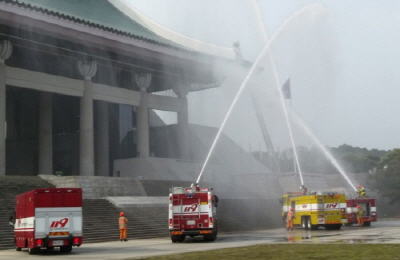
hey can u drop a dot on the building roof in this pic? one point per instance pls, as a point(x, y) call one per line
point(107, 16)
point(128, 9)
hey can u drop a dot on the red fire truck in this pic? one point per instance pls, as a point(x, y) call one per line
point(48, 218)
point(368, 207)
point(192, 212)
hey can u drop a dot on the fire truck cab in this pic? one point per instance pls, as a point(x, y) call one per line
point(192, 212)
point(315, 209)
point(368, 207)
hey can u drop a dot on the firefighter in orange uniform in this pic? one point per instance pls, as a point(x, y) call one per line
point(289, 219)
point(360, 214)
point(123, 226)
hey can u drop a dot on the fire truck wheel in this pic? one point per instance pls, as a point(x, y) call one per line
point(209, 237)
point(314, 227)
point(367, 223)
point(333, 227)
point(18, 248)
point(65, 249)
point(176, 238)
point(338, 226)
point(33, 251)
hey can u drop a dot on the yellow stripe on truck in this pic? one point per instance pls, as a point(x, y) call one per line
point(58, 233)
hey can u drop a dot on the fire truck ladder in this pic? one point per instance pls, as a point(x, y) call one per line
point(274, 162)
point(199, 208)
point(176, 223)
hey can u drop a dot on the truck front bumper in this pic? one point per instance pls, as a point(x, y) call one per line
point(192, 232)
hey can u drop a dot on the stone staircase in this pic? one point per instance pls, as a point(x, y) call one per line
point(100, 217)
point(100, 221)
point(10, 187)
point(161, 188)
point(247, 214)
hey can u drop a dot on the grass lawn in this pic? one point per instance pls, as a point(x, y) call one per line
point(295, 252)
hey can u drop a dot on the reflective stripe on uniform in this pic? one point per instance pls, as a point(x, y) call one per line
point(122, 222)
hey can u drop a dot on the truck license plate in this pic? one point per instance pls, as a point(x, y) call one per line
point(191, 222)
point(58, 242)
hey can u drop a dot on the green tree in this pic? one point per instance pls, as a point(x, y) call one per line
point(386, 180)
point(356, 159)
point(313, 160)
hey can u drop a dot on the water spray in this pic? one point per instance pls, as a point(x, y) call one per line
point(278, 84)
point(325, 151)
point(243, 85)
point(308, 131)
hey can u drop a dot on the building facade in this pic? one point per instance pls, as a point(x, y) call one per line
point(80, 84)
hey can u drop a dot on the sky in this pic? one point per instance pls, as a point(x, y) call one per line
point(342, 58)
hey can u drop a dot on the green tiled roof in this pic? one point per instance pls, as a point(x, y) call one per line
point(95, 13)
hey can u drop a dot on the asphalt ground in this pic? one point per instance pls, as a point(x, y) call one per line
point(386, 231)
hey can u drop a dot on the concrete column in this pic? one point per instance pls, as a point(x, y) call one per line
point(46, 133)
point(183, 125)
point(102, 145)
point(182, 90)
point(5, 53)
point(86, 153)
point(143, 143)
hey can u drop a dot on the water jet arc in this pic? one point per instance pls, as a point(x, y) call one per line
point(243, 85)
point(278, 85)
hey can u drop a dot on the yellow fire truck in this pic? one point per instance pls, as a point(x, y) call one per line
point(315, 209)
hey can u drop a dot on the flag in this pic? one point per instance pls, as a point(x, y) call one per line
point(286, 89)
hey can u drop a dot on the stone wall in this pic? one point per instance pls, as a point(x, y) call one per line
point(96, 187)
point(139, 202)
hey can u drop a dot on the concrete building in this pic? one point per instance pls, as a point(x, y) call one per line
point(79, 80)
point(80, 86)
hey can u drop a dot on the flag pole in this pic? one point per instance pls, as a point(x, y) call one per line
point(291, 104)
